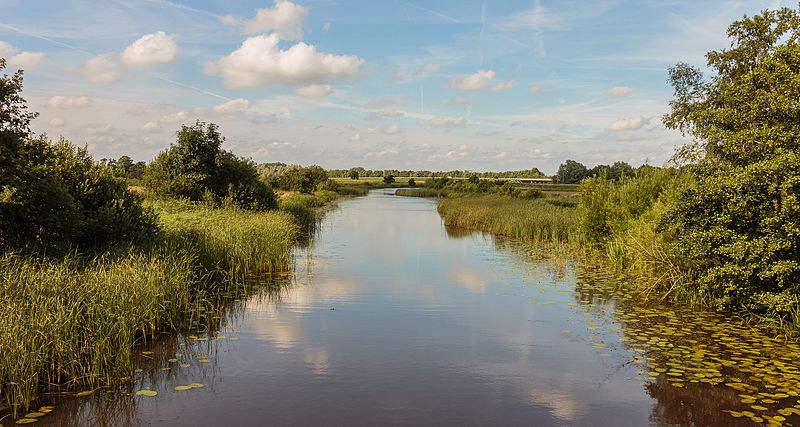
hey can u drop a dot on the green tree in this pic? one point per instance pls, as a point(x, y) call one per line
point(740, 221)
point(571, 172)
point(196, 167)
point(388, 179)
point(353, 174)
point(412, 182)
point(53, 195)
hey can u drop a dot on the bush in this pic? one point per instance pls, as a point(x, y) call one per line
point(196, 168)
point(53, 195)
point(388, 179)
point(412, 182)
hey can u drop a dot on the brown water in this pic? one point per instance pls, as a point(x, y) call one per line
point(391, 319)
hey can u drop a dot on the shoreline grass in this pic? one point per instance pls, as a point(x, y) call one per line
point(535, 220)
point(74, 321)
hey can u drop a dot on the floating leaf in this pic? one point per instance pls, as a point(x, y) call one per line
point(26, 420)
point(34, 415)
point(84, 393)
point(146, 392)
point(196, 385)
point(183, 388)
point(185, 365)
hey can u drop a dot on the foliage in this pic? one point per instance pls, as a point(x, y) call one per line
point(739, 222)
point(305, 180)
point(53, 195)
point(388, 179)
point(353, 174)
point(412, 182)
point(197, 168)
point(571, 172)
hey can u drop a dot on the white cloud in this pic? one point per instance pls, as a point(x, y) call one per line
point(500, 86)
point(446, 122)
point(260, 62)
point(180, 116)
point(20, 60)
point(388, 130)
point(476, 81)
point(479, 81)
point(457, 101)
point(56, 122)
point(430, 69)
point(284, 18)
point(150, 126)
point(326, 27)
point(232, 105)
point(228, 20)
point(619, 91)
point(355, 137)
point(101, 69)
point(315, 91)
point(151, 49)
point(68, 102)
point(387, 112)
point(629, 123)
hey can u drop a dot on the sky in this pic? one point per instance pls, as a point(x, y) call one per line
point(402, 84)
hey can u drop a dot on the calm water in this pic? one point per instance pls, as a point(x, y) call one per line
point(392, 319)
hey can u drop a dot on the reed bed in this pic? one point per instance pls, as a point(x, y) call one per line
point(534, 220)
point(73, 322)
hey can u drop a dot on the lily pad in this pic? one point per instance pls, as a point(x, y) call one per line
point(149, 393)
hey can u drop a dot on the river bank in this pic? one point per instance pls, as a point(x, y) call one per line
point(72, 322)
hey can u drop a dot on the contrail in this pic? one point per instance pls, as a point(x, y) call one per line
point(439, 14)
point(150, 73)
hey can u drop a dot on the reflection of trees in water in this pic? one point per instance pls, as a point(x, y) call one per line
point(689, 358)
point(117, 405)
point(459, 232)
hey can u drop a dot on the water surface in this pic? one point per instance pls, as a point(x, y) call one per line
point(393, 319)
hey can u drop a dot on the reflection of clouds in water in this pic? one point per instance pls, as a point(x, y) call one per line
point(280, 322)
point(474, 281)
point(318, 360)
point(563, 405)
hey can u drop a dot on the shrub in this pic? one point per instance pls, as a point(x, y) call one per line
point(196, 168)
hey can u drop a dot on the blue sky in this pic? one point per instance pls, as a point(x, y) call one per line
point(466, 84)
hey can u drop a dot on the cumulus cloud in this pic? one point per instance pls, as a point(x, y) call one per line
point(619, 91)
point(20, 60)
point(150, 126)
point(497, 87)
point(56, 122)
point(232, 105)
point(355, 137)
point(315, 91)
point(446, 122)
point(284, 18)
point(260, 62)
point(68, 102)
point(180, 116)
point(428, 69)
point(629, 123)
point(388, 130)
point(479, 81)
point(101, 69)
point(151, 49)
point(228, 20)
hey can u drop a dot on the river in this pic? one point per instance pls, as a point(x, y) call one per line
point(392, 319)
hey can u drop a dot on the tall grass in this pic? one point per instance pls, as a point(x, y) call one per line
point(534, 220)
point(74, 321)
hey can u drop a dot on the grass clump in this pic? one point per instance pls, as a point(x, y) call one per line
point(533, 220)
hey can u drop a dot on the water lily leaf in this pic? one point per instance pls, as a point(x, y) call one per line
point(145, 392)
point(84, 393)
point(196, 385)
point(183, 388)
point(185, 365)
point(26, 420)
point(34, 415)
